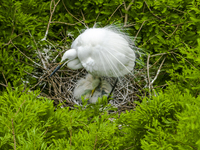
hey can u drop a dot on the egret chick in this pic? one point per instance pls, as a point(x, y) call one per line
point(85, 86)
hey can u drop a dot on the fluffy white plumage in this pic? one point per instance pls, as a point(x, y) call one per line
point(102, 52)
point(85, 86)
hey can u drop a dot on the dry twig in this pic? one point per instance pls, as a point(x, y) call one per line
point(51, 14)
point(13, 132)
point(127, 9)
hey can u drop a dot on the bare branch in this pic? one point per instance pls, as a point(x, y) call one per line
point(127, 9)
point(4, 78)
point(51, 14)
point(148, 76)
point(72, 15)
point(114, 12)
point(39, 53)
point(157, 72)
point(139, 30)
point(26, 56)
point(13, 132)
point(20, 107)
point(65, 23)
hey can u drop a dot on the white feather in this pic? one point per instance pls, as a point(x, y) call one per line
point(69, 55)
point(105, 52)
point(102, 52)
point(86, 85)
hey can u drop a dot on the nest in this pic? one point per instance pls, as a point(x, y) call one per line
point(61, 85)
point(130, 88)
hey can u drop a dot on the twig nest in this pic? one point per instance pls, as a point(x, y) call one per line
point(85, 86)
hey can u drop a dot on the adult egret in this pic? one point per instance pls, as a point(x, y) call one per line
point(102, 52)
point(85, 86)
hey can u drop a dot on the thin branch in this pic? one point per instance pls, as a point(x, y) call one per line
point(41, 58)
point(5, 78)
point(129, 6)
point(13, 132)
point(173, 32)
point(72, 15)
point(154, 14)
point(159, 54)
point(175, 54)
point(148, 73)
point(149, 40)
point(31, 75)
point(20, 107)
point(114, 12)
point(13, 27)
point(129, 147)
point(184, 59)
point(127, 9)
point(26, 56)
point(51, 12)
point(157, 72)
point(3, 85)
point(12, 39)
point(95, 142)
point(97, 17)
point(42, 78)
point(175, 29)
point(83, 16)
point(139, 30)
point(65, 23)
point(164, 31)
point(176, 9)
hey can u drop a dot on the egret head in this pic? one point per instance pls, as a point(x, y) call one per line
point(70, 56)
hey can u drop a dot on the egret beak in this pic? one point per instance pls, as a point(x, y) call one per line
point(58, 67)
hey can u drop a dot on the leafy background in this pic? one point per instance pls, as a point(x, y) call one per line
point(166, 31)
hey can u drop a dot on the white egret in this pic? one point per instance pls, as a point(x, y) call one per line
point(102, 52)
point(85, 87)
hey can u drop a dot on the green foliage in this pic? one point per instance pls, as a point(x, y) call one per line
point(162, 27)
point(186, 74)
point(168, 121)
point(34, 124)
point(26, 116)
point(17, 19)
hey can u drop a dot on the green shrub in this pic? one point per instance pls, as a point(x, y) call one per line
point(18, 21)
point(168, 121)
point(162, 27)
point(186, 74)
point(30, 122)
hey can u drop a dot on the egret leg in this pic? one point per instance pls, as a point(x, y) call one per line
point(93, 91)
point(95, 88)
point(113, 88)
